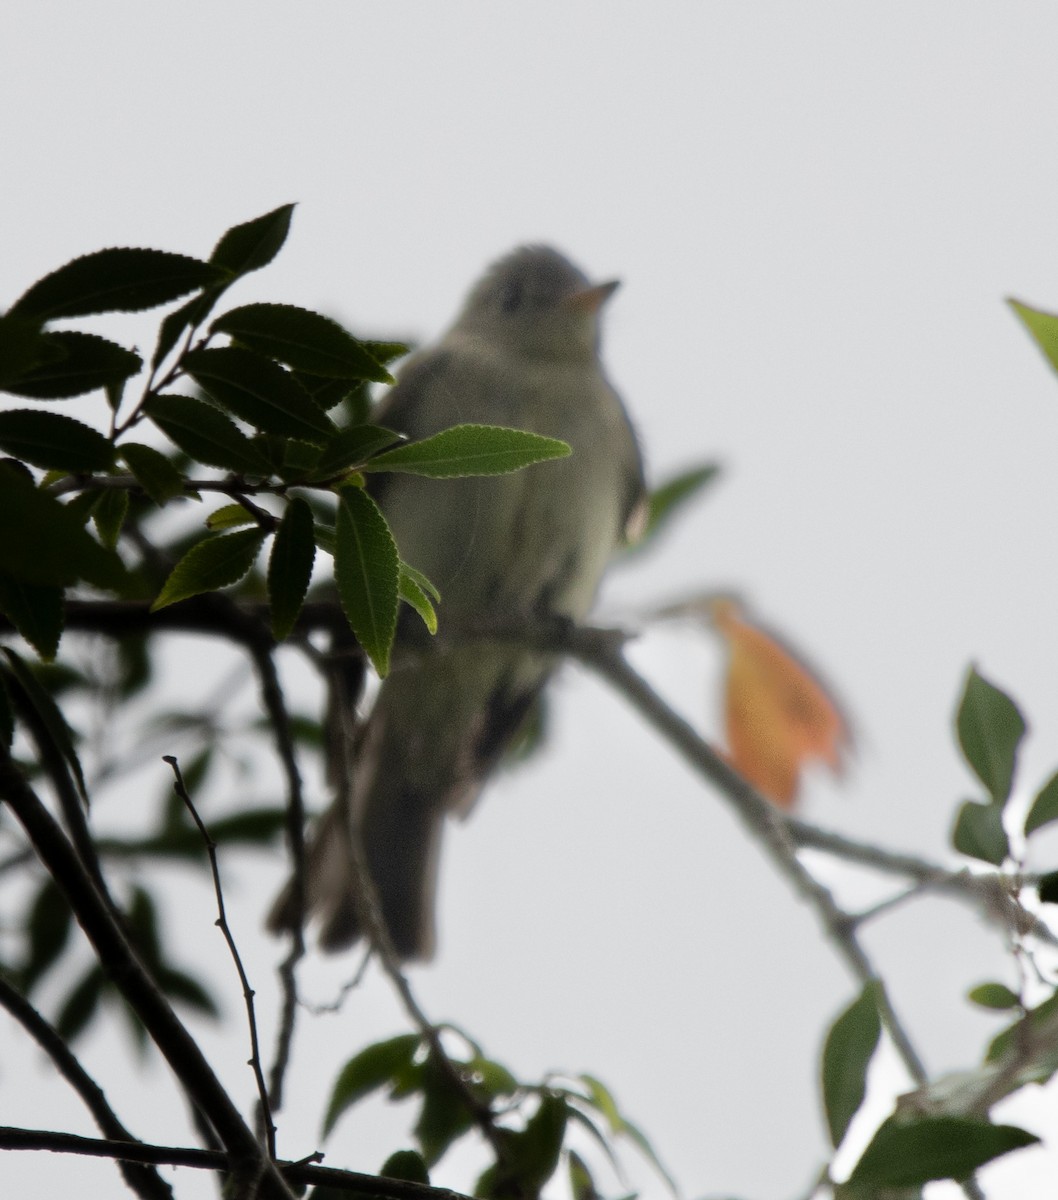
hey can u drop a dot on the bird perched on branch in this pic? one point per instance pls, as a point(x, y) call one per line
point(524, 352)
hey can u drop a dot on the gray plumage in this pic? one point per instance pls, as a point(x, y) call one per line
point(524, 353)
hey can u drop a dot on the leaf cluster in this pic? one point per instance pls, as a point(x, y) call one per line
point(264, 403)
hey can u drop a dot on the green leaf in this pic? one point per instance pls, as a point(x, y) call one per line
point(53, 441)
point(979, 832)
point(109, 515)
point(1043, 327)
point(259, 392)
point(153, 471)
point(206, 435)
point(302, 339)
point(850, 1046)
point(49, 718)
point(993, 995)
point(367, 573)
point(906, 1154)
point(116, 280)
point(44, 542)
point(990, 729)
point(1044, 808)
point(373, 1068)
point(229, 516)
point(210, 565)
point(385, 352)
point(406, 1164)
point(470, 450)
point(529, 1157)
point(78, 363)
point(253, 244)
point(444, 1117)
point(581, 1184)
point(290, 567)
point(1036, 1031)
point(36, 611)
point(350, 448)
point(673, 494)
point(411, 593)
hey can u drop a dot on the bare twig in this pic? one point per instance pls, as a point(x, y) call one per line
point(246, 1157)
point(142, 1179)
point(225, 928)
point(279, 721)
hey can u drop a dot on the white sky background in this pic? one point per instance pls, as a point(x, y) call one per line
point(816, 210)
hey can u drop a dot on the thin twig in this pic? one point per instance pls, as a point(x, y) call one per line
point(762, 820)
point(225, 928)
point(142, 1179)
point(279, 722)
point(123, 965)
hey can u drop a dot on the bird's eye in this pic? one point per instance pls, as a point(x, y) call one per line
point(511, 296)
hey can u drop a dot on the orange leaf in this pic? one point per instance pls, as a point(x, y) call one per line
point(777, 714)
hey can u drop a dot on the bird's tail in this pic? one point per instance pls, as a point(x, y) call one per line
point(400, 835)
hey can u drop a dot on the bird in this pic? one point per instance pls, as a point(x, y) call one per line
point(524, 353)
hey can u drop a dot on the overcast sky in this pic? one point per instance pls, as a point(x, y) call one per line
point(817, 211)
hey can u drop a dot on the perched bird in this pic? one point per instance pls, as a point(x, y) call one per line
point(524, 352)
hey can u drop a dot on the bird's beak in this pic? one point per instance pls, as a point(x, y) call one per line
point(591, 299)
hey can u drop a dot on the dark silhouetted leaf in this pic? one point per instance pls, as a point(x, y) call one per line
point(116, 280)
point(53, 441)
point(301, 339)
point(259, 392)
point(109, 515)
point(290, 567)
point(153, 471)
point(367, 573)
point(80, 1004)
point(36, 611)
point(253, 244)
point(43, 542)
point(80, 363)
point(23, 346)
point(47, 932)
point(207, 435)
point(210, 565)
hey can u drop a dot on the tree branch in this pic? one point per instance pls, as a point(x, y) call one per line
point(297, 1173)
point(142, 1179)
